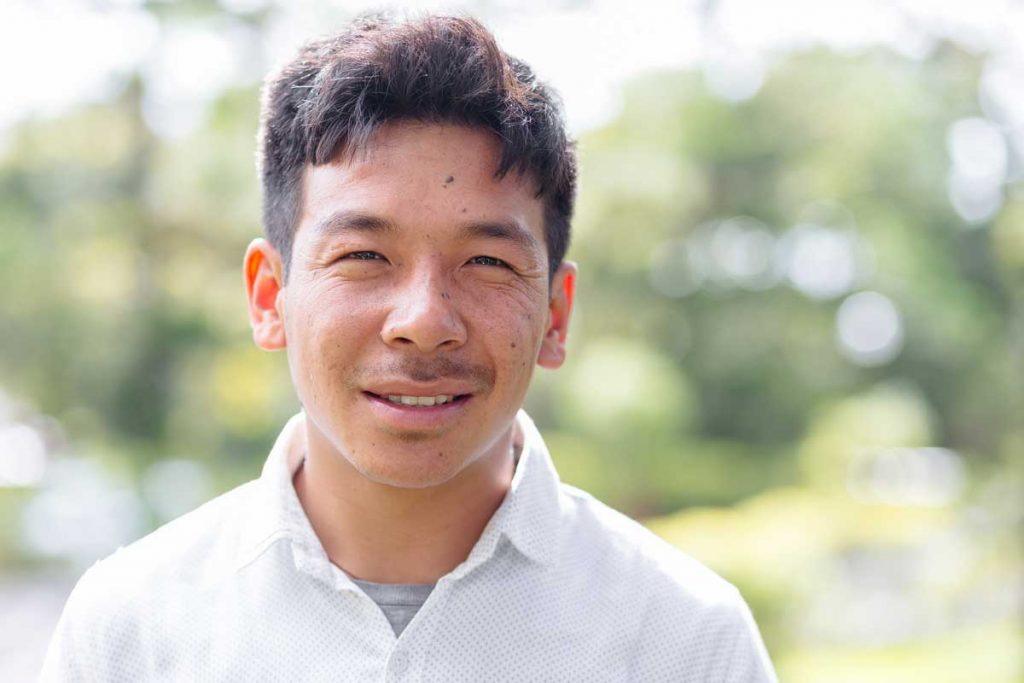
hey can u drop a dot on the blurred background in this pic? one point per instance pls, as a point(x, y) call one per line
point(798, 352)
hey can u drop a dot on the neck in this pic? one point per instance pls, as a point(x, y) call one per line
point(386, 534)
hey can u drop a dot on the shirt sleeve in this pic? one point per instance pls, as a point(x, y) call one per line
point(749, 662)
point(711, 640)
point(95, 639)
point(63, 662)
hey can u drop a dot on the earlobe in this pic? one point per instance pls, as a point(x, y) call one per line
point(263, 283)
point(563, 293)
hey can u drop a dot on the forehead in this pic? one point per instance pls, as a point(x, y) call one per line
point(422, 175)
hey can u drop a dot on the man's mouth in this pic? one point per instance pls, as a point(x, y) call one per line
point(420, 401)
point(411, 412)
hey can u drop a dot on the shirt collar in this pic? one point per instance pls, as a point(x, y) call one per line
point(531, 512)
point(528, 516)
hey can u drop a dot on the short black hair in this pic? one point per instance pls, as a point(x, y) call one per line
point(338, 90)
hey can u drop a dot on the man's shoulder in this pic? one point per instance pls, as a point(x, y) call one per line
point(197, 548)
point(628, 551)
point(688, 622)
point(125, 600)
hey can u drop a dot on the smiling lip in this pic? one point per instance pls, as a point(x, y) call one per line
point(406, 417)
point(406, 388)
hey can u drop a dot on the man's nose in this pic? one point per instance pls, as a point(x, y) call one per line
point(424, 314)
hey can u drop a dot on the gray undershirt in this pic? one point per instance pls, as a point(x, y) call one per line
point(398, 601)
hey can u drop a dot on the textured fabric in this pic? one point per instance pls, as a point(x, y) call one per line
point(559, 587)
point(398, 601)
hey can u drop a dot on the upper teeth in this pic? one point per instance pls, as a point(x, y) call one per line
point(420, 400)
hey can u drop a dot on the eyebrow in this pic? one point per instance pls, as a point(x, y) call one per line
point(353, 221)
point(510, 230)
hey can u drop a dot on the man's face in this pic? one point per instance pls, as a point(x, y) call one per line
point(416, 277)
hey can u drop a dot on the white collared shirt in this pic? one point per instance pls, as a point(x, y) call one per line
point(559, 587)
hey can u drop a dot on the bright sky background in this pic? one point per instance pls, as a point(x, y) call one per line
point(54, 53)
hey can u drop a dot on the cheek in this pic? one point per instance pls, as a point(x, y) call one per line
point(519, 301)
point(513, 325)
point(329, 330)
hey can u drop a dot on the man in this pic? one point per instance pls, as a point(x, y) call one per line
point(408, 524)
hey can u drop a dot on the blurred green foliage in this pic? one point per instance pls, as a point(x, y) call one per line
point(720, 406)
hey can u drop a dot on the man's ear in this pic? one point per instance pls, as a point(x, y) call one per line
point(263, 282)
point(563, 291)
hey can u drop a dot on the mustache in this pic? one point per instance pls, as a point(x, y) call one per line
point(428, 370)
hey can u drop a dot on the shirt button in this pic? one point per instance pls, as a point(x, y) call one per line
point(400, 662)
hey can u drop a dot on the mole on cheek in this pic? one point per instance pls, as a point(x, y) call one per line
point(449, 180)
point(513, 345)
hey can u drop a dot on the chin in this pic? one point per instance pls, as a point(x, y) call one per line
point(408, 469)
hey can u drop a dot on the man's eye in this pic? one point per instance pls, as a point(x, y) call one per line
point(488, 261)
point(363, 256)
